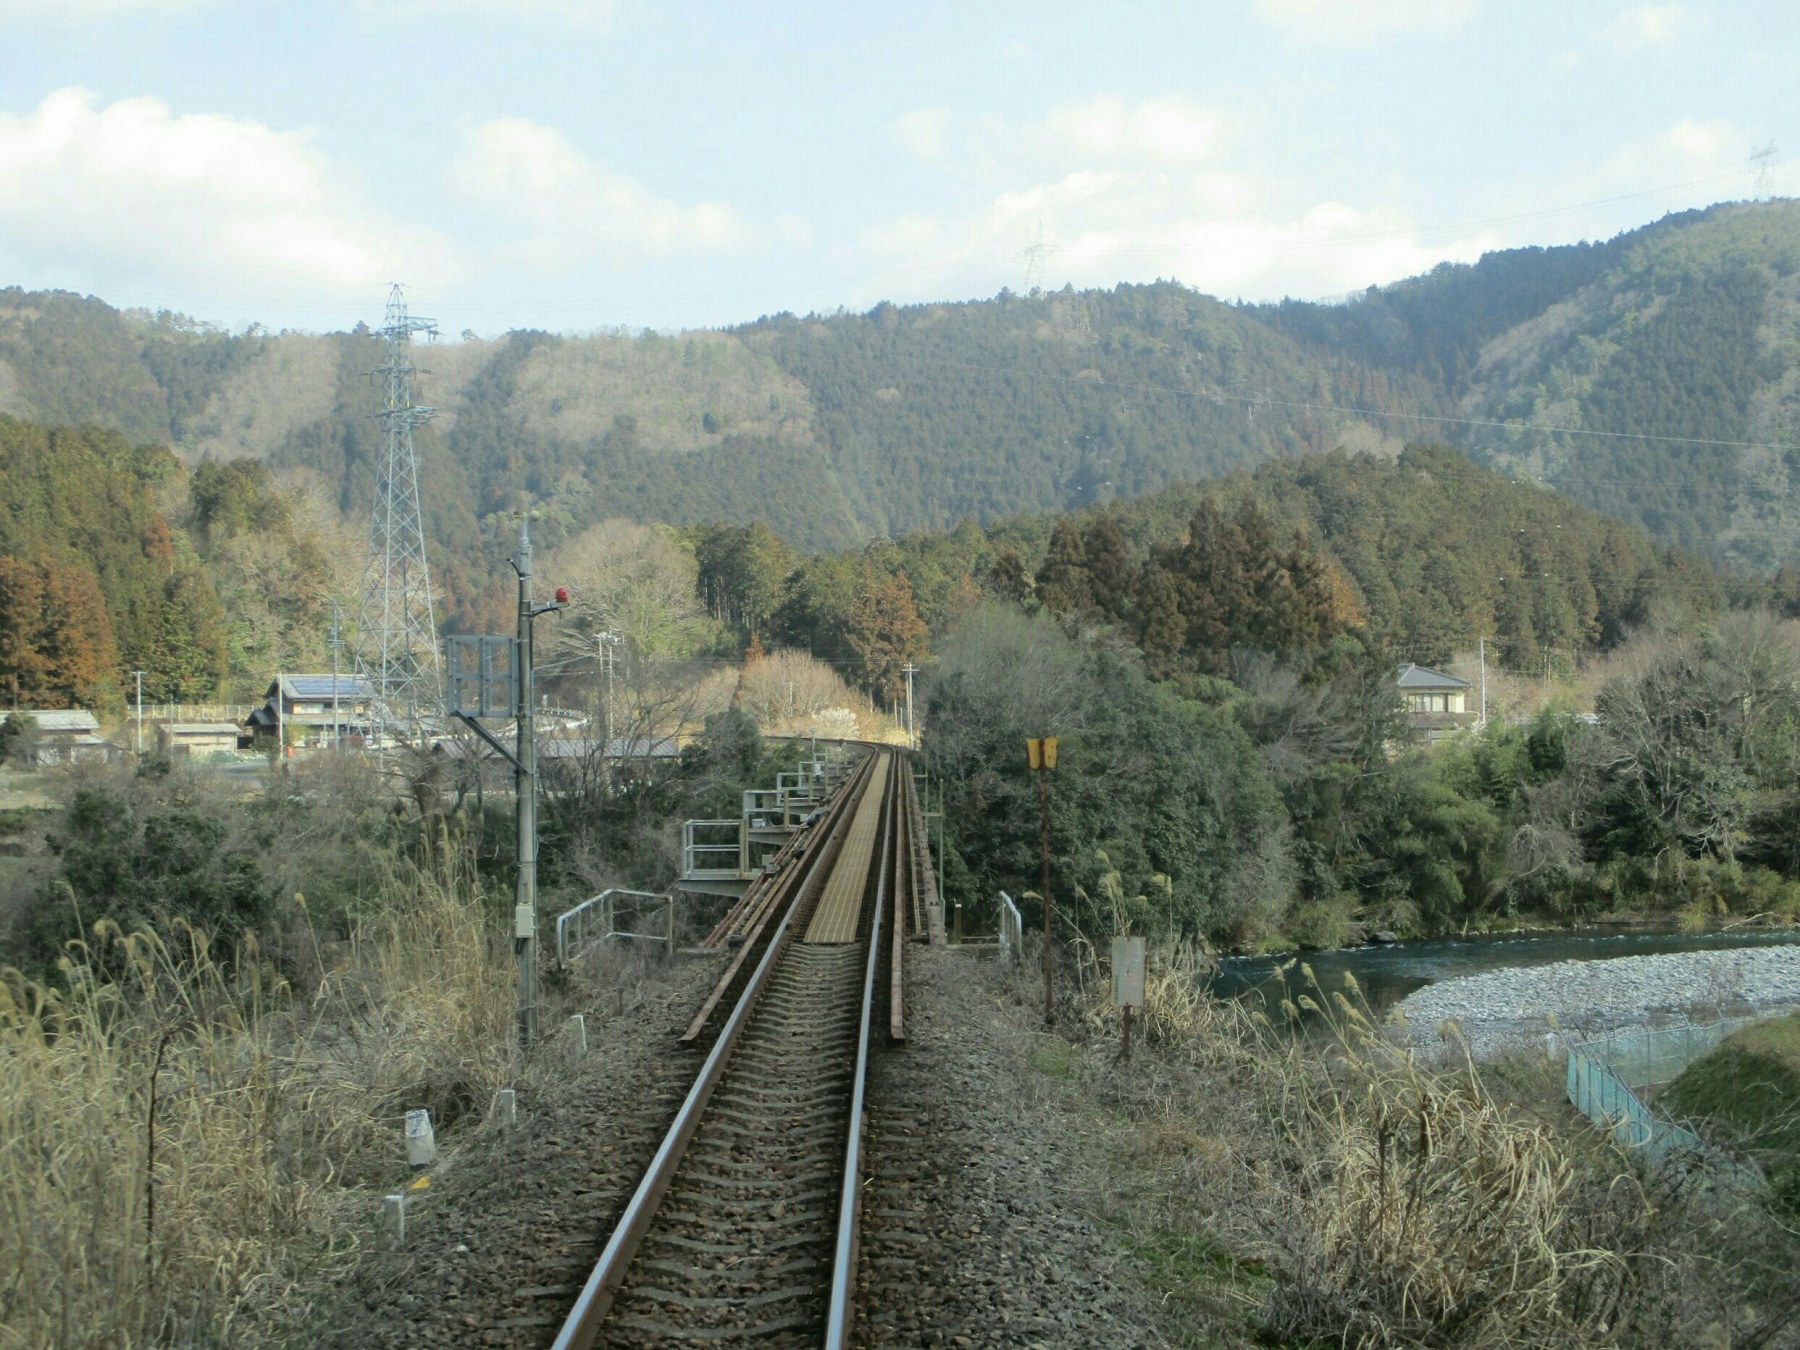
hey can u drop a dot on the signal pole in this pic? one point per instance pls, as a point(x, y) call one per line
point(525, 819)
point(525, 794)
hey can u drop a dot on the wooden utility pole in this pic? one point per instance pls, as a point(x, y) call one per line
point(1041, 754)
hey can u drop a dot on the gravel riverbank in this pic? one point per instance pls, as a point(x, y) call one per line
point(1499, 1008)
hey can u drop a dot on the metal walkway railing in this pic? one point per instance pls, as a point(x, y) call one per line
point(595, 920)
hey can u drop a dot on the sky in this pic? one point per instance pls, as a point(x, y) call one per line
point(576, 165)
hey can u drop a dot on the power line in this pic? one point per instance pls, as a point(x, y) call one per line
point(1265, 400)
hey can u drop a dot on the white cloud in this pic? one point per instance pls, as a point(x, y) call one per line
point(133, 194)
point(1362, 23)
point(1648, 26)
point(567, 211)
point(77, 10)
point(1100, 131)
point(924, 133)
point(1169, 129)
point(595, 14)
point(1688, 163)
point(1219, 230)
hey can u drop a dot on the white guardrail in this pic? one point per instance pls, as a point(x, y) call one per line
point(1012, 931)
point(594, 921)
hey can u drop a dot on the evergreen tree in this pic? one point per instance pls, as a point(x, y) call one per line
point(1009, 579)
point(1109, 566)
point(1063, 584)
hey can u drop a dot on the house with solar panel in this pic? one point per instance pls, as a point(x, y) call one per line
point(1436, 703)
point(314, 712)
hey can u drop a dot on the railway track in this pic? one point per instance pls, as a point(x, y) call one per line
point(744, 1227)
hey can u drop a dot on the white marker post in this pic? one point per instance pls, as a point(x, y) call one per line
point(421, 1143)
point(1128, 982)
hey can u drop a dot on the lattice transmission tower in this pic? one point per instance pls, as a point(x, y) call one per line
point(397, 648)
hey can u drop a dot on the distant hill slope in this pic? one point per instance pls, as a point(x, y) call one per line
point(1678, 343)
point(1693, 333)
point(1680, 339)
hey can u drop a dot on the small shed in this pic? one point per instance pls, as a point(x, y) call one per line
point(198, 738)
point(67, 736)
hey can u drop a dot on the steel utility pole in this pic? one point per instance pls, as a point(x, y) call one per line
point(396, 629)
point(912, 739)
point(609, 659)
point(336, 644)
point(1481, 646)
point(525, 781)
point(1041, 753)
point(138, 675)
point(525, 820)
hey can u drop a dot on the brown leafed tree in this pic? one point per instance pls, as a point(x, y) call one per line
point(1228, 585)
point(885, 630)
point(56, 641)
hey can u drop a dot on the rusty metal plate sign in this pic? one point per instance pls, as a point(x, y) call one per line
point(1128, 972)
point(483, 676)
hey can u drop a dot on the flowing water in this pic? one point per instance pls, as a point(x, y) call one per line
point(1389, 973)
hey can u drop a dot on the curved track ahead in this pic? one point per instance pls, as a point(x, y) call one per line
point(743, 1229)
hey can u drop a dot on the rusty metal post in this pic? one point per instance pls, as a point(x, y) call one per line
point(1125, 1049)
point(1044, 889)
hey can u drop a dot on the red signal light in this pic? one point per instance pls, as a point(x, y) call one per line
point(562, 595)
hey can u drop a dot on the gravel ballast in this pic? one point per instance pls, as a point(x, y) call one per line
point(974, 1224)
point(1498, 1008)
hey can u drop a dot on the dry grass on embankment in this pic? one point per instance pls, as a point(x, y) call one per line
point(180, 1136)
point(1332, 1189)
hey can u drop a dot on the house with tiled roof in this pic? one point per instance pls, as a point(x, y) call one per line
point(1436, 703)
point(65, 736)
point(314, 710)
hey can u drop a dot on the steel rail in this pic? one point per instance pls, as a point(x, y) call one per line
point(904, 879)
point(843, 1267)
point(581, 1328)
point(815, 863)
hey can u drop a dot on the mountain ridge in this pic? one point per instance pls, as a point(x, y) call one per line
point(1680, 340)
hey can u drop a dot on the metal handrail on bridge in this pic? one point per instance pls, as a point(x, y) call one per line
point(1012, 931)
point(721, 860)
point(604, 909)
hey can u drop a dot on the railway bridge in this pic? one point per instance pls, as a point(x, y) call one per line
point(744, 1227)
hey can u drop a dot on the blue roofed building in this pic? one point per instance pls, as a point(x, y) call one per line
point(314, 710)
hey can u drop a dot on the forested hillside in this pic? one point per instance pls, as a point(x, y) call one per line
point(93, 583)
point(1677, 342)
point(1423, 554)
point(115, 557)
